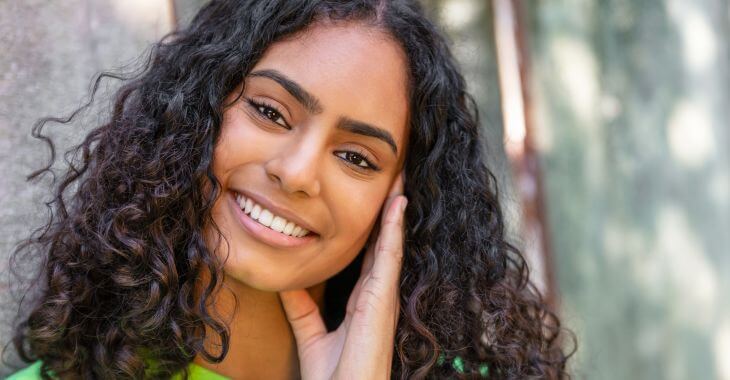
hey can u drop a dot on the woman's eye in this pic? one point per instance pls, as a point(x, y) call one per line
point(356, 159)
point(269, 112)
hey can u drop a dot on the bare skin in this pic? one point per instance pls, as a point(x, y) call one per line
point(362, 346)
point(298, 157)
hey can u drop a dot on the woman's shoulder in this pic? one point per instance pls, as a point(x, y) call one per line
point(196, 372)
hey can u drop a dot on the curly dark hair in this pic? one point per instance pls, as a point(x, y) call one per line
point(123, 249)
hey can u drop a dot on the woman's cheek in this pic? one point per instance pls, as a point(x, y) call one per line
point(338, 254)
point(358, 223)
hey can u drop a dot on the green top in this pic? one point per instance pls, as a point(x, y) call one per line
point(201, 373)
point(196, 373)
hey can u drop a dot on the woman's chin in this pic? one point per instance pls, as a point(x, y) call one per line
point(261, 279)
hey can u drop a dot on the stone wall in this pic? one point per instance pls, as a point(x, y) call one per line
point(50, 51)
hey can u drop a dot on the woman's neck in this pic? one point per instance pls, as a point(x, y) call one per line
point(262, 345)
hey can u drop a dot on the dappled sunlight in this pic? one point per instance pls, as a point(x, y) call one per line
point(630, 107)
point(672, 266)
point(690, 134)
point(455, 13)
point(578, 72)
point(627, 247)
point(722, 349)
point(692, 281)
point(699, 41)
point(611, 107)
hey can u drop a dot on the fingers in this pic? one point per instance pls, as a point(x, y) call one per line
point(389, 244)
point(395, 189)
point(372, 323)
point(369, 255)
point(304, 317)
point(389, 247)
point(388, 253)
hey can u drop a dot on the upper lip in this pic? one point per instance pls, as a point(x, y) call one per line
point(278, 210)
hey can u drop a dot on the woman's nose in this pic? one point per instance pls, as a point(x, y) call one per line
point(295, 169)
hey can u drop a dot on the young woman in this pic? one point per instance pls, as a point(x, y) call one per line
point(241, 215)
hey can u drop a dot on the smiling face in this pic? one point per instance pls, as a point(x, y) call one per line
point(313, 144)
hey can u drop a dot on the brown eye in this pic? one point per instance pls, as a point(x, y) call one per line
point(269, 112)
point(357, 159)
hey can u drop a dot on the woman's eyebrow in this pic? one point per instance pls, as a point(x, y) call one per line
point(309, 101)
point(313, 106)
point(365, 129)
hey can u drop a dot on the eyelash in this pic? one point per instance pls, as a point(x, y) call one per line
point(361, 155)
point(358, 153)
point(256, 105)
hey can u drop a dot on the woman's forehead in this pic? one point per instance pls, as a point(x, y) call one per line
point(348, 69)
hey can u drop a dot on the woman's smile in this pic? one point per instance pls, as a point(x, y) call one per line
point(239, 206)
point(267, 225)
point(304, 162)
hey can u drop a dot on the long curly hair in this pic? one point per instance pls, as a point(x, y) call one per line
point(124, 251)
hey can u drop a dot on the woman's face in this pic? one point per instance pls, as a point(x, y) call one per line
point(315, 142)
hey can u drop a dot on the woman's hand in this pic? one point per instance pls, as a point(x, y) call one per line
point(362, 346)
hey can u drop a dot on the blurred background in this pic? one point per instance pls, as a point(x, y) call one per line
point(607, 123)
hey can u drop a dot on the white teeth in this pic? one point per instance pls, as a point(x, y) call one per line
point(255, 212)
point(289, 228)
point(278, 224)
point(268, 219)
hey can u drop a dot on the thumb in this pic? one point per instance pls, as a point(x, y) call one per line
point(304, 317)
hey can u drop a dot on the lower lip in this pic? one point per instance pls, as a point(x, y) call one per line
point(266, 234)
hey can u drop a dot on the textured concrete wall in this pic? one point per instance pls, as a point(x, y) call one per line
point(50, 50)
point(632, 109)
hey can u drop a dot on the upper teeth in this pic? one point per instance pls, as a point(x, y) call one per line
point(268, 219)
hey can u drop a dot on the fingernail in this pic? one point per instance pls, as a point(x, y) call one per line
point(403, 204)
